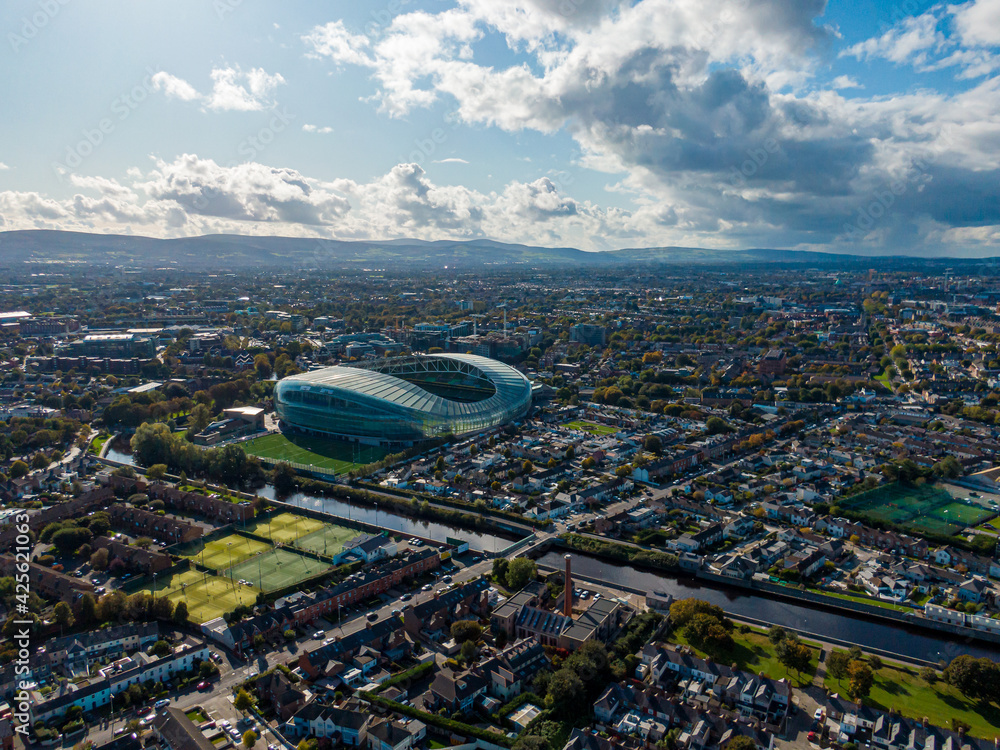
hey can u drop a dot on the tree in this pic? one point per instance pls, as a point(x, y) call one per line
point(262, 364)
point(706, 632)
point(157, 471)
point(837, 663)
point(249, 739)
point(794, 655)
point(181, 612)
point(99, 559)
point(683, 610)
point(741, 742)
point(468, 652)
point(861, 678)
point(500, 570)
point(653, 444)
point(283, 478)
point(63, 615)
point(18, 469)
point(776, 634)
point(160, 648)
point(243, 701)
point(88, 609)
point(717, 426)
point(466, 630)
point(589, 463)
point(875, 663)
point(565, 692)
point(520, 571)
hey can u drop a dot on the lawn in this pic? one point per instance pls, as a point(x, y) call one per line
point(864, 600)
point(332, 455)
point(592, 427)
point(276, 569)
point(220, 553)
point(909, 694)
point(285, 527)
point(754, 653)
point(97, 443)
point(207, 596)
point(922, 509)
point(196, 715)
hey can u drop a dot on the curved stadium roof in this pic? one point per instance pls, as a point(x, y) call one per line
point(377, 401)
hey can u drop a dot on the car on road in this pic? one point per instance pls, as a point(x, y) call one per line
point(426, 587)
point(162, 703)
point(406, 597)
point(204, 686)
point(217, 658)
point(371, 616)
point(446, 579)
point(818, 714)
point(319, 635)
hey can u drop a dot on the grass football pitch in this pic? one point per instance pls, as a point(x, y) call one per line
point(220, 553)
point(592, 427)
point(207, 596)
point(285, 527)
point(276, 569)
point(322, 453)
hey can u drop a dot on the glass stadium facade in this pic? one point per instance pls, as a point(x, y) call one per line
point(402, 400)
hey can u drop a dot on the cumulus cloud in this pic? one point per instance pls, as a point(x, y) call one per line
point(924, 41)
point(232, 89)
point(3, 167)
point(325, 130)
point(706, 110)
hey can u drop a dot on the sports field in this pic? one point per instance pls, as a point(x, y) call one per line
point(336, 455)
point(285, 527)
point(207, 596)
point(592, 427)
point(327, 541)
point(276, 569)
point(222, 552)
point(921, 509)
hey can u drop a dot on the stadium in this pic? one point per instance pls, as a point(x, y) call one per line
point(403, 400)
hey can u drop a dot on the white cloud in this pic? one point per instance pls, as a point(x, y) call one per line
point(325, 130)
point(3, 167)
point(845, 82)
point(174, 87)
point(232, 89)
point(335, 42)
point(451, 160)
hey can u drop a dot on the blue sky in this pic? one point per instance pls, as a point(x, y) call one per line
point(862, 126)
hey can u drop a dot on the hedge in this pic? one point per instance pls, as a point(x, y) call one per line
point(413, 673)
point(439, 721)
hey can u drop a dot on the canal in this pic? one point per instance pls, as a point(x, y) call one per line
point(866, 633)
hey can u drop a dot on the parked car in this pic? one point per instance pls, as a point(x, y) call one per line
point(204, 685)
point(426, 587)
point(371, 616)
point(319, 635)
point(162, 703)
point(406, 597)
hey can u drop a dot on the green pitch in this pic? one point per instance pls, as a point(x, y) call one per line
point(220, 553)
point(276, 569)
point(921, 509)
point(592, 427)
point(327, 541)
point(207, 596)
point(285, 527)
point(322, 453)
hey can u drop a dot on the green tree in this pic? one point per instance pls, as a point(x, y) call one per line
point(861, 679)
point(63, 615)
point(520, 571)
point(181, 612)
point(565, 692)
point(500, 565)
point(466, 630)
point(837, 663)
point(243, 701)
point(741, 742)
point(99, 559)
point(249, 739)
point(156, 472)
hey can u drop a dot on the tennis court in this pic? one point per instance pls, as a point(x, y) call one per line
point(921, 509)
point(276, 569)
point(285, 527)
point(327, 541)
point(207, 596)
point(220, 553)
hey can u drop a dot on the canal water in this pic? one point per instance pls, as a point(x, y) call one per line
point(866, 633)
point(853, 629)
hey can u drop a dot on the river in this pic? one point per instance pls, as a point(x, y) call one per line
point(866, 633)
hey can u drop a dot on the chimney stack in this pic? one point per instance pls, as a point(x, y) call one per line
point(568, 590)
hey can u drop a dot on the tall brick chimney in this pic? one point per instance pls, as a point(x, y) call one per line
point(568, 590)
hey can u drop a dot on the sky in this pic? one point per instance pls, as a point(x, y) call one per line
point(856, 126)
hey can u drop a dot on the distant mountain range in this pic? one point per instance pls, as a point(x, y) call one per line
point(238, 252)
